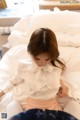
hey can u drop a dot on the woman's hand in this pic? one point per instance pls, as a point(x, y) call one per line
point(63, 91)
point(1, 93)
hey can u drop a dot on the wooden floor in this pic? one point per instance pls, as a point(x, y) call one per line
point(3, 40)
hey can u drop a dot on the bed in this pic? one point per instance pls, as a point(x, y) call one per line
point(67, 30)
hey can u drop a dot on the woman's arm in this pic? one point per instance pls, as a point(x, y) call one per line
point(8, 86)
point(63, 90)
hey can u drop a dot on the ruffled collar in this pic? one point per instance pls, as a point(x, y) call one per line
point(34, 67)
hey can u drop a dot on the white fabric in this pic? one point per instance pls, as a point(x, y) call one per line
point(34, 81)
point(67, 29)
point(63, 23)
point(71, 75)
point(73, 29)
point(17, 38)
point(6, 30)
point(4, 101)
point(11, 60)
point(23, 24)
point(66, 40)
point(10, 107)
point(13, 108)
point(70, 105)
point(73, 108)
point(72, 72)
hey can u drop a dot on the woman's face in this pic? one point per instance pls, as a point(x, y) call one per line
point(42, 59)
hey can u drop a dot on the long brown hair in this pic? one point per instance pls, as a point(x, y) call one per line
point(44, 40)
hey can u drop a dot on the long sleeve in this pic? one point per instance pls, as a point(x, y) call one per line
point(17, 79)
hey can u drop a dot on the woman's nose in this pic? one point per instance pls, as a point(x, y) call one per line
point(42, 62)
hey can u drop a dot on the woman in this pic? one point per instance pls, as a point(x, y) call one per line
point(38, 79)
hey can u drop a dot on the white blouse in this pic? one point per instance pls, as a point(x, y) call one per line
point(34, 81)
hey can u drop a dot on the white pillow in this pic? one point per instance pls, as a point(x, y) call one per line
point(73, 29)
point(71, 56)
point(74, 63)
point(23, 24)
point(66, 53)
point(63, 39)
point(10, 61)
point(58, 21)
point(73, 81)
point(68, 40)
point(71, 74)
point(16, 38)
